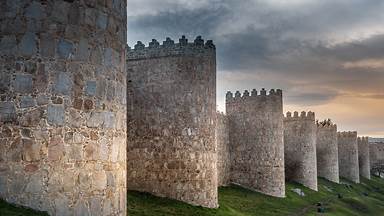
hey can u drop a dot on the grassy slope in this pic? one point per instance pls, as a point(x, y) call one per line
point(236, 201)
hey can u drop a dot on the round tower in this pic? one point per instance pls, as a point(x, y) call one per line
point(364, 163)
point(300, 149)
point(256, 140)
point(172, 119)
point(348, 156)
point(62, 108)
point(327, 151)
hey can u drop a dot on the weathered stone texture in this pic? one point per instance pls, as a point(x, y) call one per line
point(348, 156)
point(327, 151)
point(51, 62)
point(300, 149)
point(364, 163)
point(223, 153)
point(256, 141)
point(376, 156)
point(172, 120)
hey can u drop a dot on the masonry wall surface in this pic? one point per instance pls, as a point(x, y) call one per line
point(223, 154)
point(62, 108)
point(256, 141)
point(300, 149)
point(172, 120)
point(364, 163)
point(348, 156)
point(327, 151)
point(376, 155)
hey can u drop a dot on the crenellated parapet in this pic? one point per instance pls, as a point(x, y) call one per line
point(363, 139)
point(170, 48)
point(303, 116)
point(253, 95)
point(347, 134)
point(326, 124)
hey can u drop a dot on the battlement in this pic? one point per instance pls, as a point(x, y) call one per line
point(170, 48)
point(347, 134)
point(327, 123)
point(303, 116)
point(253, 95)
point(363, 139)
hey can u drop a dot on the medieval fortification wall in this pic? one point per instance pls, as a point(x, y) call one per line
point(62, 107)
point(348, 156)
point(300, 149)
point(256, 140)
point(376, 156)
point(364, 163)
point(172, 120)
point(327, 151)
point(223, 153)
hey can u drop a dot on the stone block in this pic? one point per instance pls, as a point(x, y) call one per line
point(109, 120)
point(5, 81)
point(28, 44)
point(101, 88)
point(27, 101)
point(35, 184)
point(61, 204)
point(95, 120)
point(7, 111)
point(81, 209)
point(47, 46)
point(111, 91)
point(56, 115)
point(23, 83)
point(63, 83)
point(99, 180)
point(82, 53)
point(102, 20)
point(8, 44)
point(31, 118)
point(42, 100)
point(65, 49)
point(34, 11)
point(56, 148)
point(31, 150)
point(90, 88)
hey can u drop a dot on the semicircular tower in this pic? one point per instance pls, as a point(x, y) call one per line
point(62, 108)
point(172, 120)
point(300, 149)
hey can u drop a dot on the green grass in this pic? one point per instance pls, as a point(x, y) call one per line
point(12, 210)
point(366, 198)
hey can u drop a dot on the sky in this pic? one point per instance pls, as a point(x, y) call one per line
point(326, 55)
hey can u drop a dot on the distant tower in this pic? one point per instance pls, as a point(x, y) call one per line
point(172, 120)
point(348, 156)
point(364, 164)
point(327, 151)
point(256, 141)
point(300, 149)
point(62, 108)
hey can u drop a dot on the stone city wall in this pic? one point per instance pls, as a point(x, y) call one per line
point(364, 163)
point(300, 148)
point(256, 141)
point(172, 120)
point(327, 151)
point(376, 156)
point(223, 154)
point(348, 156)
point(62, 107)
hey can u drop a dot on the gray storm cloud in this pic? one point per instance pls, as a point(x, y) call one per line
point(315, 51)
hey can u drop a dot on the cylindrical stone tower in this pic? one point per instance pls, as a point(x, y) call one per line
point(348, 156)
point(327, 151)
point(63, 106)
point(172, 120)
point(300, 149)
point(364, 163)
point(256, 141)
